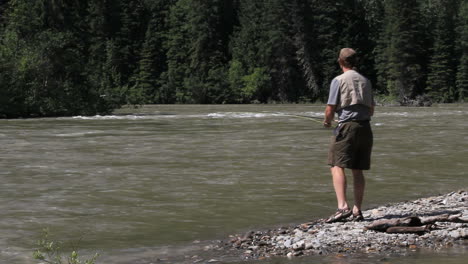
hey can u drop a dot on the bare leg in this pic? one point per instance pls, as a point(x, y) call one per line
point(359, 185)
point(339, 183)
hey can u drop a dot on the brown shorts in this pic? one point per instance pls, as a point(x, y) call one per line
point(351, 146)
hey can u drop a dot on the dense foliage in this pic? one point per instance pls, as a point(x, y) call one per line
point(69, 57)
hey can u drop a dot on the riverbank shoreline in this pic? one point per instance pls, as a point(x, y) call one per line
point(431, 223)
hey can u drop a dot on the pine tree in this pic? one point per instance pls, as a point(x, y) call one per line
point(462, 54)
point(19, 23)
point(196, 51)
point(117, 34)
point(81, 57)
point(206, 50)
point(3, 7)
point(325, 31)
point(302, 24)
point(250, 53)
point(47, 58)
point(134, 18)
point(399, 60)
point(442, 66)
point(336, 25)
point(47, 52)
point(153, 61)
point(287, 83)
point(178, 45)
point(355, 32)
point(271, 44)
point(374, 16)
point(103, 23)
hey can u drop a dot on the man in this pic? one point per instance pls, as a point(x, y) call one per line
point(351, 98)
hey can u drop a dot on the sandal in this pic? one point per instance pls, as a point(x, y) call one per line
point(357, 217)
point(339, 215)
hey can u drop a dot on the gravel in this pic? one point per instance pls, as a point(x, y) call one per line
point(319, 238)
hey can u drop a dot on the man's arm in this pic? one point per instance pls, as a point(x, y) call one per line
point(333, 101)
point(329, 115)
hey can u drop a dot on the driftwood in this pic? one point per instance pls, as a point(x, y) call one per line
point(413, 224)
point(443, 218)
point(384, 224)
point(409, 229)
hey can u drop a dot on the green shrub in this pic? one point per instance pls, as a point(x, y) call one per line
point(50, 251)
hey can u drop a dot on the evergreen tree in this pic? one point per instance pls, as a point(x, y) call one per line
point(117, 33)
point(287, 82)
point(326, 42)
point(178, 45)
point(124, 51)
point(84, 57)
point(374, 16)
point(3, 7)
point(207, 58)
point(248, 53)
point(153, 61)
point(46, 50)
point(196, 54)
point(462, 54)
point(335, 25)
point(442, 66)
point(302, 24)
point(270, 43)
point(131, 36)
point(46, 58)
point(400, 60)
point(103, 23)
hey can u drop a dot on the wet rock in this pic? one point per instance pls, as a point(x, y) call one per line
point(455, 234)
point(308, 245)
point(299, 245)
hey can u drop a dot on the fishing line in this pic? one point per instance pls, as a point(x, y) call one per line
point(313, 118)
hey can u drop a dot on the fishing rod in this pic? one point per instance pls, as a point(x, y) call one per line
point(313, 118)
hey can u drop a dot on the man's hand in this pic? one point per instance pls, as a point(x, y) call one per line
point(326, 124)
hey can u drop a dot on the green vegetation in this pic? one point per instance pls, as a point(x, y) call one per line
point(50, 252)
point(86, 57)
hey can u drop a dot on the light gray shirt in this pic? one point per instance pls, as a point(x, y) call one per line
point(358, 112)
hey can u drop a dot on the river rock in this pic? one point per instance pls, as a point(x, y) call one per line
point(299, 245)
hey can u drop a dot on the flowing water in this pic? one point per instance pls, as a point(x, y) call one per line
point(159, 181)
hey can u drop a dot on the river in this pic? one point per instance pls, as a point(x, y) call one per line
point(160, 181)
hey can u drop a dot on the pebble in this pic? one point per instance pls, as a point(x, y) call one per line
point(317, 238)
point(299, 245)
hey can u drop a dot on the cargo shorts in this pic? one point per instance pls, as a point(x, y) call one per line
point(351, 146)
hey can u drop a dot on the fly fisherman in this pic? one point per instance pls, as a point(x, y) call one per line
point(351, 145)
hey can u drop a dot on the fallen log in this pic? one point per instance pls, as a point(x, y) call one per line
point(384, 224)
point(435, 218)
point(443, 218)
point(412, 224)
point(409, 229)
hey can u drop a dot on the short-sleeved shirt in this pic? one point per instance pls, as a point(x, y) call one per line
point(357, 112)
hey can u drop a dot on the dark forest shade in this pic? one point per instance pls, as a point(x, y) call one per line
point(86, 57)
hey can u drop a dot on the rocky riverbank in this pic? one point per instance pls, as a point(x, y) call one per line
point(430, 223)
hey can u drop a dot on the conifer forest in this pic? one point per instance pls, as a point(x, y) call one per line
point(86, 57)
